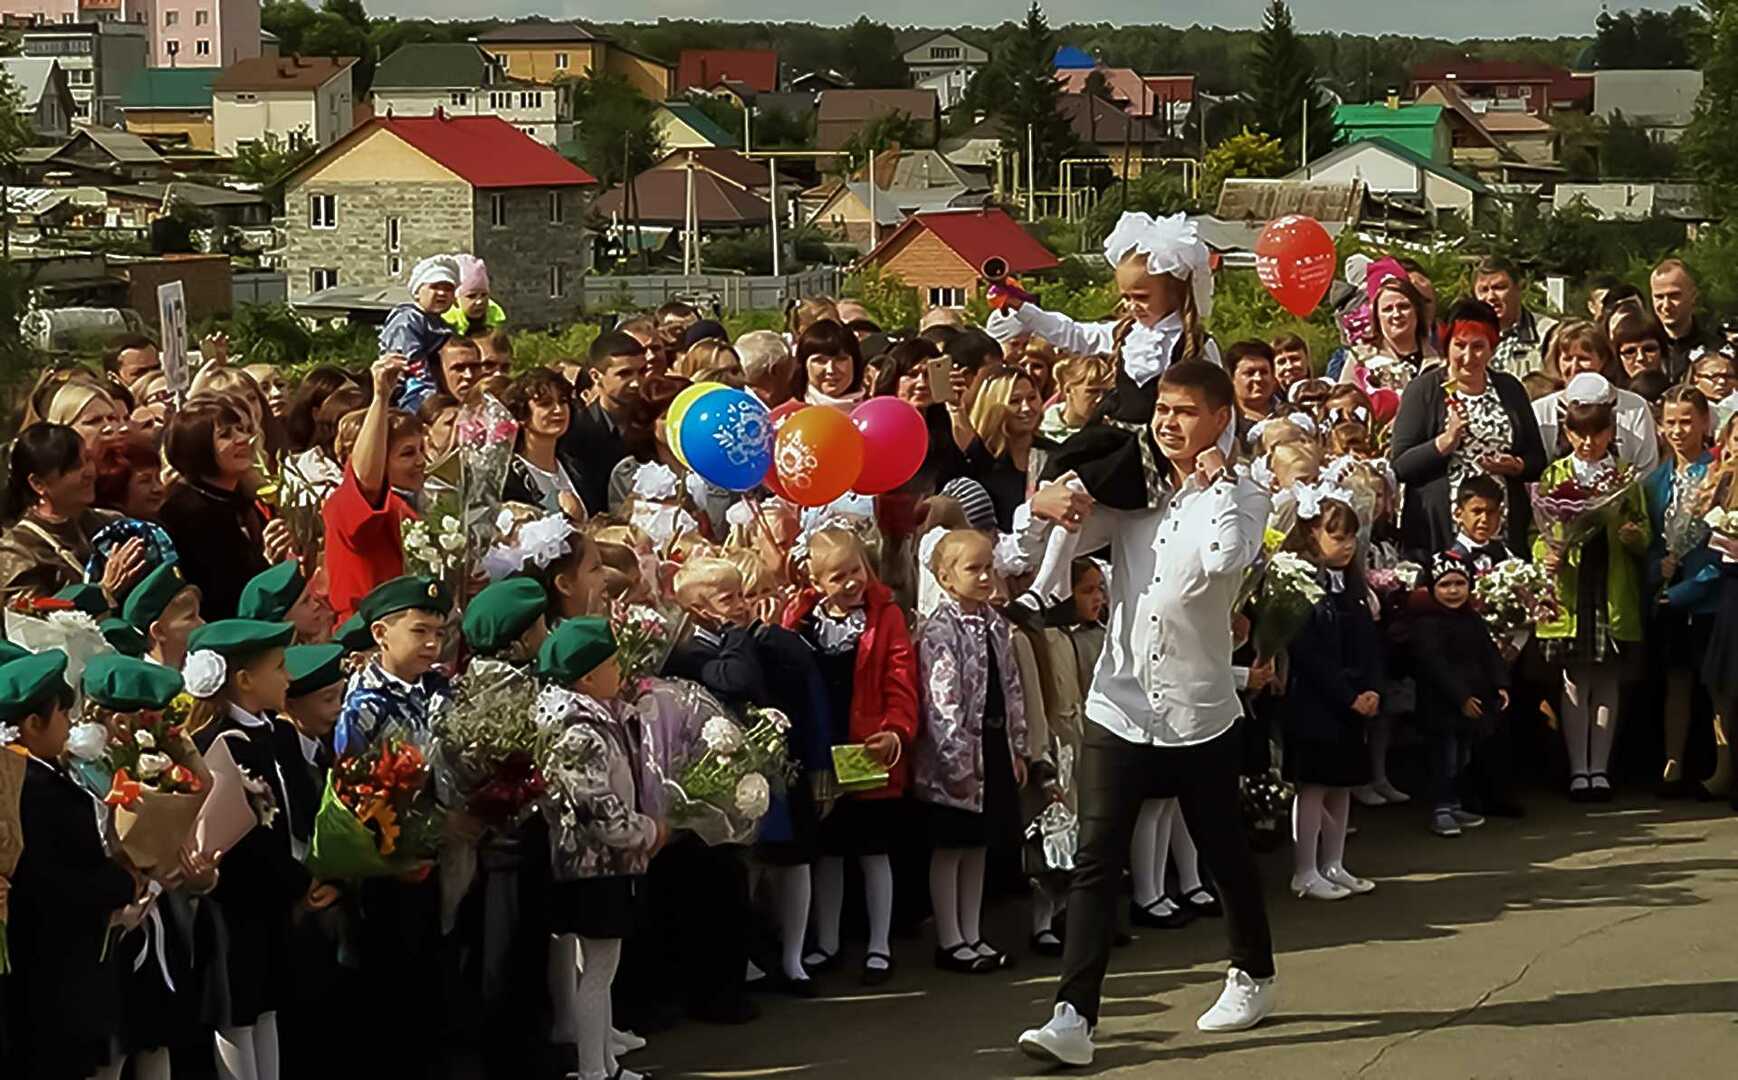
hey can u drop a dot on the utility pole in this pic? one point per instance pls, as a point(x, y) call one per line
point(1031, 177)
point(874, 224)
point(1304, 134)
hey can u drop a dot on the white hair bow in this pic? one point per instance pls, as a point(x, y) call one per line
point(204, 672)
point(655, 480)
point(1172, 246)
point(1310, 498)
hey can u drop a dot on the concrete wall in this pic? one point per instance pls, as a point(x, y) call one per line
point(205, 279)
point(522, 251)
point(551, 124)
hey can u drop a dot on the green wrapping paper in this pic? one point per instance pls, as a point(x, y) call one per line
point(857, 770)
point(343, 848)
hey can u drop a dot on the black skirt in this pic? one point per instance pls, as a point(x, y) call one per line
point(804, 841)
point(997, 825)
point(599, 907)
point(860, 826)
point(1342, 762)
point(1720, 665)
point(154, 1015)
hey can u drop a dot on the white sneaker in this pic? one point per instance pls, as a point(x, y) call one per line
point(1244, 1003)
point(1345, 879)
point(1317, 887)
point(625, 1042)
point(1065, 1040)
point(1368, 796)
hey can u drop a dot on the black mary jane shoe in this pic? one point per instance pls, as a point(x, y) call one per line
point(876, 976)
point(1178, 917)
point(963, 959)
point(1047, 943)
point(996, 958)
point(1202, 903)
point(1597, 793)
point(828, 961)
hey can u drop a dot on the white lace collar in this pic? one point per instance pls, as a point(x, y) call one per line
point(837, 634)
point(1146, 352)
point(816, 396)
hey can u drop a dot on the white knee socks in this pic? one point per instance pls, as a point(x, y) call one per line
point(972, 892)
point(828, 876)
point(878, 898)
point(1336, 818)
point(1306, 828)
point(564, 988)
point(1183, 851)
point(793, 901)
point(1148, 851)
point(238, 1053)
point(601, 955)
point(150, 1064)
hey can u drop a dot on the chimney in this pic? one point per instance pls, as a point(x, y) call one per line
point(440, 112)
point(1393, 97)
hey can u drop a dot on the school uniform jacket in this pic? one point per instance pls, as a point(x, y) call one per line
point(1453, 659)
point(1336, 658)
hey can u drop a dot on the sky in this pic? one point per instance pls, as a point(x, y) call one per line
point(1438, 18)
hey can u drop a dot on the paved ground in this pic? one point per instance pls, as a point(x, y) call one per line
point(1581, 942)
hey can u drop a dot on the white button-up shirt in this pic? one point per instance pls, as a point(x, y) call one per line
point(1165, 676)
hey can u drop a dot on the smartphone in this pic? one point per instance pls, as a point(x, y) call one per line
point(941, 380)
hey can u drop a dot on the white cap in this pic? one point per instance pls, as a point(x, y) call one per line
point(1589, 388)
point(434, 270)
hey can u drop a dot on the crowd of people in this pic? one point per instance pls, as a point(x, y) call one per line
point(1054, 645)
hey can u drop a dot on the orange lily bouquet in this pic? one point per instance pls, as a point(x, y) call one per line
point(378, 815)
point(157, 783)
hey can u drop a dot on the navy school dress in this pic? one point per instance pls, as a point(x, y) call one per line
point(1336, 657)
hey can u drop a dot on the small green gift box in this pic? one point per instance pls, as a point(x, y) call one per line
point(857, 770)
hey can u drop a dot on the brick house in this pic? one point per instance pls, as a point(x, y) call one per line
point(941, 253)
point(397, 189)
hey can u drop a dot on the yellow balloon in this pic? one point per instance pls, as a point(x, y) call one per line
point(679, 409)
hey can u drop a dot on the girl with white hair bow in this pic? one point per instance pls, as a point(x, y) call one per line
point(1166, 284)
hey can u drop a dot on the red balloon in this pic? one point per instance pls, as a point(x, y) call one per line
point(894, 442)
point(1385, 404)
point(818, 454)
point(1295, 259)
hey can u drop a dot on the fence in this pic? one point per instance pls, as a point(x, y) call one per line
point(734, 293)
point(261, 287)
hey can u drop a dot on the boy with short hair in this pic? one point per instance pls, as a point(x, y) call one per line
point(1478, 510)
point(285, 594)
point(400, 684)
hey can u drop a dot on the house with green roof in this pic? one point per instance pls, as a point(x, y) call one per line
point(170, 105)
point(683, 126)
point(463, 79)
point(1423, 129)
point(1392, 171)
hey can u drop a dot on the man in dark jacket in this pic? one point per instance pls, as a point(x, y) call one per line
point(1674, 298)
point(617, 364)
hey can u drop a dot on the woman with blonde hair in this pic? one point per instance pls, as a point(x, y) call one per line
point(1005, 414)
point(712, 355)
point(89, 409)
point(1081, 383)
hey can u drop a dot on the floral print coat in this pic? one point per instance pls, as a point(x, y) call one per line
point(953, 680)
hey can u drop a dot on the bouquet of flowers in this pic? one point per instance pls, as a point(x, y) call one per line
point(1401, 577)
point(238, 802)
point(488, 742)
point(461, 523)
point(643, 643)
point(149, 771)
point(1570, 511)
point(434, 546)
point(715, 776)
point(12, 765)
point(1719, 520)
point(299, 499)
point(377, 815)
point(1287, 591)
point(1515, 595)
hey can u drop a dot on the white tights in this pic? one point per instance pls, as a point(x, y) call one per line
point(250, 1051)
point(1160, 835)
point(829, 895)
point(792, 887)
point(956, 889)
point(1319, 819)
point(1589, 716)
point(597, 1060)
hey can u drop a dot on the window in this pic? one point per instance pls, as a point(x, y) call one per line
point(395, 266)
point(555, 212)
point(323, 211)
point(944, 52)
point(394, 233)
point(531, 99)
point(200, 18)
point(171, 18)
point(560, 61)
point(945, 296)
point(460, 97)
point(498, 210)
point(555, 282)
point(321, 278)
point(202, 47)
point(500, 99)
point(80, 76)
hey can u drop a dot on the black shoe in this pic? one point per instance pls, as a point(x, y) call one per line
point(734, 1010)
point(875, 976)
point(1202, 903)
point(962, 958)
point(1681, 788)
point(1600, 793)
point(1177, 918)
point(828, 963)
point(996, 958)
point(1047, 943)
point(783, 984)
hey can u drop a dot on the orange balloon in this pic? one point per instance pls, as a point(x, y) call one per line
point(818, 455)
point(1294, 258)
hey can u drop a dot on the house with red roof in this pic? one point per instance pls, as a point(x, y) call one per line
point(1535, 88)
point(941, 253)
point(704, 69)
point(359, 214)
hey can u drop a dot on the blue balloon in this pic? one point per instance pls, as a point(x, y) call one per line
point(727, 438)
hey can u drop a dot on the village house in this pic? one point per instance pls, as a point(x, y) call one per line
point(941, 253)
point(172, 104)
point(463, 79)
point(299, 99)
point(44, 99)
point(547, 52)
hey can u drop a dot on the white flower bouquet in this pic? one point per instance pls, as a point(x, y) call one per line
point(714, 775)
point(1515, 595)
point(1287, 592)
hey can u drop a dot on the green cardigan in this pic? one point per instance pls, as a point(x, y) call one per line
point(456, 318)
point(1623, 565)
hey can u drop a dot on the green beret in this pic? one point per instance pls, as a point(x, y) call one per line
point(27, 685)
point(239, 639)
point(271, 594)
point(152, 596)
point(126, 638)
point(501, 612)
point(85, 597)
point(10, 652)
point(124, 684)
point(355, 634)
point(408, 593)
point(313, 667)
point(574, 649)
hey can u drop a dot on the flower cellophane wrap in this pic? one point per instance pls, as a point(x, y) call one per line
point(714, 773)
point(158, 783)
point(1053, 835)
point(1571, 510)
point(1515, 595)
point(299, 500)
point(12, 766)
point(228, 814)
point(1287, 591)
point(378, 814)
point(487, 746)
point(72, 632)
point(855, 769)
point(643, 643)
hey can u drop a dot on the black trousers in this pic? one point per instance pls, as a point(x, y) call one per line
point(1116, 776)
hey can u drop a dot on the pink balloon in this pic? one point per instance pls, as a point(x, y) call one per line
point(894, 443)
point(1385, 403)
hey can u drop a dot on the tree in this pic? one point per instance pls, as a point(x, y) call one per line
point(1284, 79)
point(289, 20)
point(869, 55)
point(615, 137)
point(15, 130)
point(890, 130)
point(1628, 152)
point(1649, 39)
point(268, 159)
point(1248, 154)
point(1027, 96)
point(1707, 146)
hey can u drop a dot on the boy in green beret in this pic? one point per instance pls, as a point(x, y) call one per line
point(600, 845)
point(124, 638)
point(165, 608)
point(65, 893)
point(284, 594)
point(505, 621)
point(400, 685)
